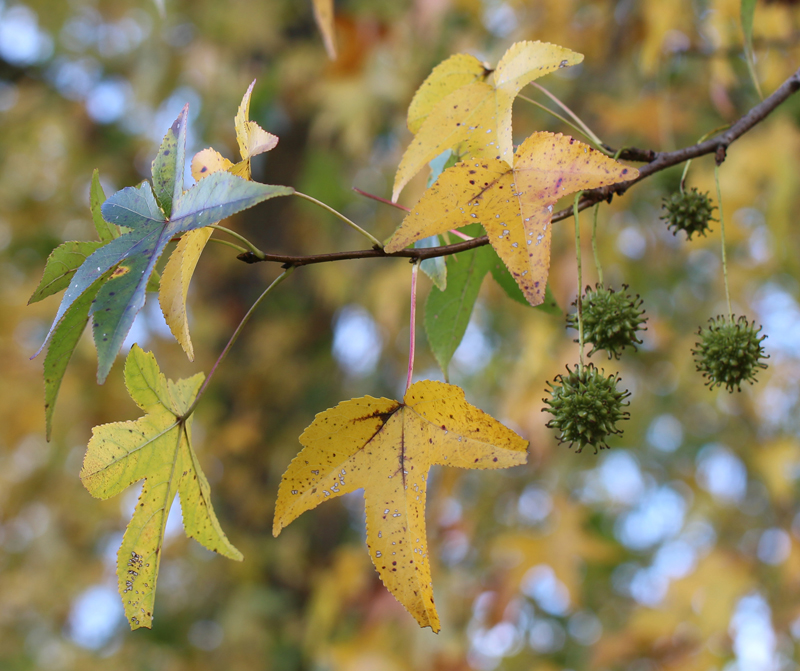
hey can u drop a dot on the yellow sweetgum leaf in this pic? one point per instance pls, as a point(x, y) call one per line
point(477, 116)
point(450, 75)
point(252, 140)
point(387, 448)
point(513, 203)
point(208, 161)
point(175, 284)
point(156, 448)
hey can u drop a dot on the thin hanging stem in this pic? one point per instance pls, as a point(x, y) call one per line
point(594, 246)
point(578, 120)
point(233, 338)
point(239, 249)
point(566, 121)
point(461, 235)
point(377, 243)
point(385, 201)
point(412, 323)
point(722, 236)
point(239, 237)
point(702, 139)
point(580, 274)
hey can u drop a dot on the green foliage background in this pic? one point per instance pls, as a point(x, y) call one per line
point(656, 74)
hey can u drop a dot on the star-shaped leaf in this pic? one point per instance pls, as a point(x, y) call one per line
point(153, 216)
point(387, 448)
point(156, 448)
point(477, 115)
point(514, 204)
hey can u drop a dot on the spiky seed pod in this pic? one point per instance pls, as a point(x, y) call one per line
point(586, 406)
point(688, 211)
point(611, 319)
point(729, 352)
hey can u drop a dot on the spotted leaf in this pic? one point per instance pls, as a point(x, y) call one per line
point(477, 116)
point(513, 203)
point(387, 448)
point(156, 448)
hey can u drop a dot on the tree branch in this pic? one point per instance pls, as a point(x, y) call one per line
point(656, 162)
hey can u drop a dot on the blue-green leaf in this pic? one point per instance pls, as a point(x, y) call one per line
point(134, 254)
point(434, 268)
point(65, 339)
point(169, 163)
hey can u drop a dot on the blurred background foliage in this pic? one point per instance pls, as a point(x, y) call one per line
point(678, 549)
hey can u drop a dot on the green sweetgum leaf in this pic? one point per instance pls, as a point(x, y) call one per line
point(156, 448)
point(105, 231)
point(134, 254)
point(65, 340)
point(61, 265)
point(448, 311)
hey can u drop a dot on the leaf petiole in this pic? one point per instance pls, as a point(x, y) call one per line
point(412, 323)
point(255, 250)
point(232, 340)
point(703, 138)
point(385, 201)
point(586, 130)
point(594, 246)
point(566, 121)
point(722, 237)
point(376, 243)
point(580, 274)
point(219, 241)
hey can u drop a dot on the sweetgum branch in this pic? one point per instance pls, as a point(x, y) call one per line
point(655, 162)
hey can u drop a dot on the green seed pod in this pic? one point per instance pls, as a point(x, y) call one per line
point(586, 406)
point(611, 320)
point(729, 352)
point(688, 211)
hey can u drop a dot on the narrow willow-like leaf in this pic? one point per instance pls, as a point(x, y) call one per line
point(747, 12)
point(323, 15)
